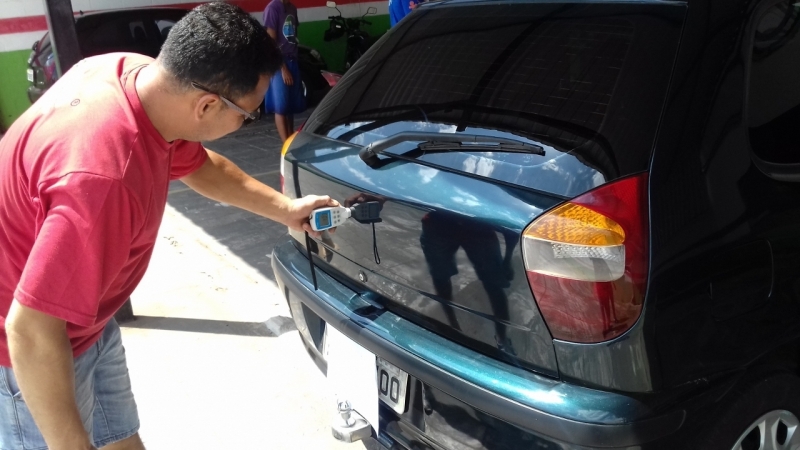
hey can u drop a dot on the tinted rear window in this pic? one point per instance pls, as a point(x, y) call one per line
point(586, 82)
point(139, 31)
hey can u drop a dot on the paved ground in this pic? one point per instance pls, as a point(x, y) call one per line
point(214, 359)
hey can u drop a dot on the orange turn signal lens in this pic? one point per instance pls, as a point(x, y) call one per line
point(577, 225)
point(287, 144)
point(575, 242)
point(284, 150)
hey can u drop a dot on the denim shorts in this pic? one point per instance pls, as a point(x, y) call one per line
point(102, 389)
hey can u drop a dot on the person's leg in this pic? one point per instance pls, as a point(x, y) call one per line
point(297, 99)
point(282, 124)
point(18, 430)
point(132, 443)
point(276, 101)
point(116, 418)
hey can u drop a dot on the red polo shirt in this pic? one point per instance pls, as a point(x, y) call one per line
point(83, 185)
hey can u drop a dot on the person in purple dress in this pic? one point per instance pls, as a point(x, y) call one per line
point(285, 95)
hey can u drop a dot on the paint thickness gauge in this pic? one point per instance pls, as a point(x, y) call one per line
point(324, 218)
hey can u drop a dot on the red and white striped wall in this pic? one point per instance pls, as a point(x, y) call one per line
point(22, 22)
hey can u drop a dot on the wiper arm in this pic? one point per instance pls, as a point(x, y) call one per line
point(439, 142)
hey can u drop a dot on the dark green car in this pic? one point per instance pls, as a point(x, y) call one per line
point(589, 231)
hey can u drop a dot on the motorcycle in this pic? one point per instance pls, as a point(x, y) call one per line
point(312, 74)
point(358, 40)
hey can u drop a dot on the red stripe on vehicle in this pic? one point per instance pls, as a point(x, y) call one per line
point(39, 23)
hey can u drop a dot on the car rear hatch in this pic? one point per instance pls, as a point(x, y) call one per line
point(481, 117)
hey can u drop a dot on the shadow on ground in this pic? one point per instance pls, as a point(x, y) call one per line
point(273, 327)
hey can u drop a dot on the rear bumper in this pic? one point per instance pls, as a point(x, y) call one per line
point(545, 408)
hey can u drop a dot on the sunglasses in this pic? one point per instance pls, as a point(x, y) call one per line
point(248, 117)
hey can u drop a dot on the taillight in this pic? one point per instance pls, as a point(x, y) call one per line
point(331, 78)
point(587, 261)
point(285, 149)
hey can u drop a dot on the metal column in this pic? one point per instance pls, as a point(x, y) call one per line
point(61, 23)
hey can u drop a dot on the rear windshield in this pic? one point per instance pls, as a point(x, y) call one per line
point(584, 82)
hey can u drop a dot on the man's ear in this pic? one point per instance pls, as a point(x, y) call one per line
point(205, 105)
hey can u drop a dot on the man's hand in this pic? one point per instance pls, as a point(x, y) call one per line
point(300, 209)
point(287, 75)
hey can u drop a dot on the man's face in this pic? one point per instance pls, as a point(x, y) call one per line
point(221, 119)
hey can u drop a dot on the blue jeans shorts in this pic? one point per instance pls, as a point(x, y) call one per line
point(102, 389)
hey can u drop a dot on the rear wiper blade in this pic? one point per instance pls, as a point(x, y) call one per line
point(442, 142)
point(518, 147)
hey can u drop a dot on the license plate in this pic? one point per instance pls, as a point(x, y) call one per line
point(351, 375)
point(392, 385)
point(30, 75)
point(392, 382)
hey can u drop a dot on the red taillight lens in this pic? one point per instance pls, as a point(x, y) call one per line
point(587, 261)
point(331, 78)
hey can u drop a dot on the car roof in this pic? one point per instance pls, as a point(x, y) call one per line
point(96, 16)
point(123, 11)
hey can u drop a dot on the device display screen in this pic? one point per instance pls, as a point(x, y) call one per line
point(324, 219)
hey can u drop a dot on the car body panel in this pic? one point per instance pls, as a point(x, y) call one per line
point(481, 303)
point(560, 411)
point(725, 253)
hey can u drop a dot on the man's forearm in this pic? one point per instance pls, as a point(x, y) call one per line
point(43, 366)
point(221, 180)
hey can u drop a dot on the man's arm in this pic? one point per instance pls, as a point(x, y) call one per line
point(42, 359)
point(221, 180)
point(285, 72)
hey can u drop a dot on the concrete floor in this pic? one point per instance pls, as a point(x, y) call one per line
point(214, 359)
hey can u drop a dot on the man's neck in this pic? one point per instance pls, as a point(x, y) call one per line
point(157, 100)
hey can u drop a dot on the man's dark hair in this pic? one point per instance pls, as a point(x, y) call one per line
point(221, 47)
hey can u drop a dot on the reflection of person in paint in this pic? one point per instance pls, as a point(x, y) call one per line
point(442, 236)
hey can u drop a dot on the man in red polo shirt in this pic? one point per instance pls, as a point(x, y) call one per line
point(84, 175)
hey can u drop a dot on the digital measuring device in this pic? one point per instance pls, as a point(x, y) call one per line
point(324, 218)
